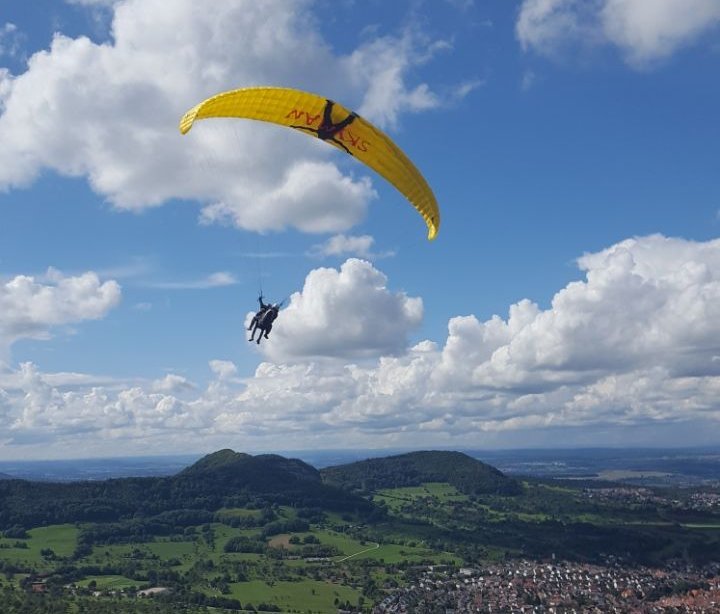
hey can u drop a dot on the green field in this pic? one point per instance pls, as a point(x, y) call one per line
point(108, 583)
point(441, 493)
point(357, 550)
point(301, 596)
point(394, 553)
point(439, 490)
point(344, 543)
point(172, 549)
point(61, 539)
point(237, 512)
point(182, 552)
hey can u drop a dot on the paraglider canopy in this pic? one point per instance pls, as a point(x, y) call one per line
point(332, 123)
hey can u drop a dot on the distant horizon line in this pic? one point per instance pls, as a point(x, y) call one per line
point(350, 451)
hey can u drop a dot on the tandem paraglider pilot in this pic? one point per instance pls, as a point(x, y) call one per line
point(263, 320)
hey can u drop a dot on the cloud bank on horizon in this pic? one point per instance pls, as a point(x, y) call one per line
point(635, 341)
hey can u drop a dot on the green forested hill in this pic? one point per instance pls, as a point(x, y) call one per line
point(270, 476)
point(265, 471)
point(467, 474)
point(225, 478)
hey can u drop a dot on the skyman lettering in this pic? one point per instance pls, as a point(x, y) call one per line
point(310, 120)
point(348, 137)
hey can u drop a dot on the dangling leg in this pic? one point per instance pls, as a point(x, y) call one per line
point(327, 114)
point(344, 123)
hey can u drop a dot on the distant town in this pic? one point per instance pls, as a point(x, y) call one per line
point(697, 501)
point(522, 586)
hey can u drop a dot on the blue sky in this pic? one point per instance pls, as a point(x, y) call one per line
point(571, 296)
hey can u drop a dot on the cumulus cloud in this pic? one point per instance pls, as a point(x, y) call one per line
point(644, 30)
point(223, 369)
point(637, 339)
point(30, 308)
point(173, 384)
point(43, 412)
point(348, 312)
point(307, 198)
point(634, 344)
point(109, 112)
point(645, 303)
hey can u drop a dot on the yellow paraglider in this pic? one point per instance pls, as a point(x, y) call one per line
point(329, 122)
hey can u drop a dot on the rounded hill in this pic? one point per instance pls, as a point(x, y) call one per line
point(468, 475)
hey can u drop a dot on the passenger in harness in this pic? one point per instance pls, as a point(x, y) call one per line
point(263, 320)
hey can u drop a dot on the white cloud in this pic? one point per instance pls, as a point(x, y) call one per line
point(544, 25)
point(342, 245)
point(109, 112)
point(633, 345)
point(93, 3)
point(463, 5)
point(467, 87)
point(223, 369)
point(11, 40)
point(30, 308)
point(339, 245)
point(381, 65)
point(344, 313)
point(644, 30)
point(647, 314)
point(173, 384)
point(648, 30)
point(214, 280)
point(646, 303)
point(528, 80)
point(306, 198)
point(44, 412)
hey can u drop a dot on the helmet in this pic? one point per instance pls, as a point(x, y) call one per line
point(276, 306)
